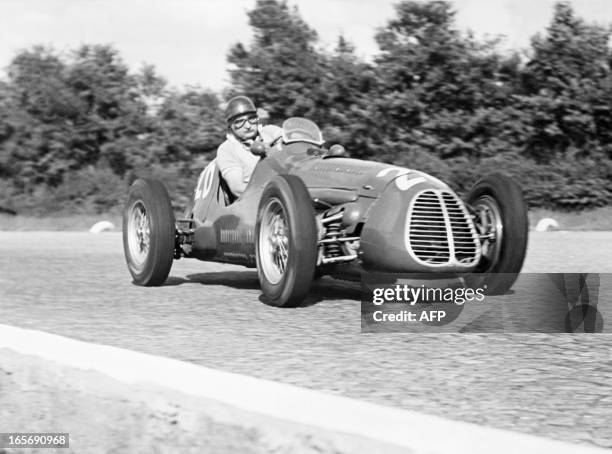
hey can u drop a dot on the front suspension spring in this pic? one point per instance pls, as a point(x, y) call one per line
point(333, 231)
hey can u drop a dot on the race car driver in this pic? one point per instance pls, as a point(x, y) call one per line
point(234, 157)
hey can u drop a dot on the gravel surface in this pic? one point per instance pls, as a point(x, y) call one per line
point(559, 386)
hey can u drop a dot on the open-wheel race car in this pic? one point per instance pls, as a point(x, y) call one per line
point(308, 211)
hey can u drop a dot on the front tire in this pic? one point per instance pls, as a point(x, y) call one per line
point(501, 219)
point(286, 241)
point(148, 232)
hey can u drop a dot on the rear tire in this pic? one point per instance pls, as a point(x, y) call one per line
point(148, 232)
point(286, 241)
point(500, 211)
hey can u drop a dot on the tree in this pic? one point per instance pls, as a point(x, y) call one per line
point(571, 52)
point(67, 109)
point(441, 93)
point(569, 83)
point(188, 128)
point(280, 69)
point(345, 98)
point(77, 127)
point(423, 51)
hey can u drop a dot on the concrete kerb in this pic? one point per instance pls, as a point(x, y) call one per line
point(407, 429)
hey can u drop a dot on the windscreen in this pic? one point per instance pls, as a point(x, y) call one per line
point(301, 130)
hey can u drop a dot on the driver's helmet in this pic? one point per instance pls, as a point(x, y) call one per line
point(239, 105)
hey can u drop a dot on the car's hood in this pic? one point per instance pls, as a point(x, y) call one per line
point(365, 178)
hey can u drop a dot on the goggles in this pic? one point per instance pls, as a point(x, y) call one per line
point(240, 122)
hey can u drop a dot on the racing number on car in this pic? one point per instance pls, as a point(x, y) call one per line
point(403, 177)
point(205, 181)
point(406, 178)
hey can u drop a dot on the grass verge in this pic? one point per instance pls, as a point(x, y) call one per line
point(597, 219)
point(76, 222)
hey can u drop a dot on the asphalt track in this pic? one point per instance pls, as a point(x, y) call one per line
point(555, 385)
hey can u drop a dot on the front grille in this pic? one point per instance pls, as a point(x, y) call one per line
point(441, 231)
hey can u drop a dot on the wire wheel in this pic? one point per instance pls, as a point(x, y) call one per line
point(286, 241)
point(489, 223)
point(274, 241)
point(148, 232)
point(500, 216)
point(139, 233)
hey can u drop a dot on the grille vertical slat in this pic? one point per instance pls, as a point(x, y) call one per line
point(441, 231)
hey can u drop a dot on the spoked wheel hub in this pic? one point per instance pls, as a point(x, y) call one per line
point(489, 223)
point(139, 233)
point(274, 240)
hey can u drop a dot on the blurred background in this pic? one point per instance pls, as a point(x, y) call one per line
point(94, 94)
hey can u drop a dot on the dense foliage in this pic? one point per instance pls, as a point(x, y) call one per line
point(76, 129)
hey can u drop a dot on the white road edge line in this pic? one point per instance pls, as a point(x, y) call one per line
point(410, 429)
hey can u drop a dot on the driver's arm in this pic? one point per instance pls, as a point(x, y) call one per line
point(270, 134)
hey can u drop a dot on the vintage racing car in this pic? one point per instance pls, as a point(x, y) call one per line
point(309, 211)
